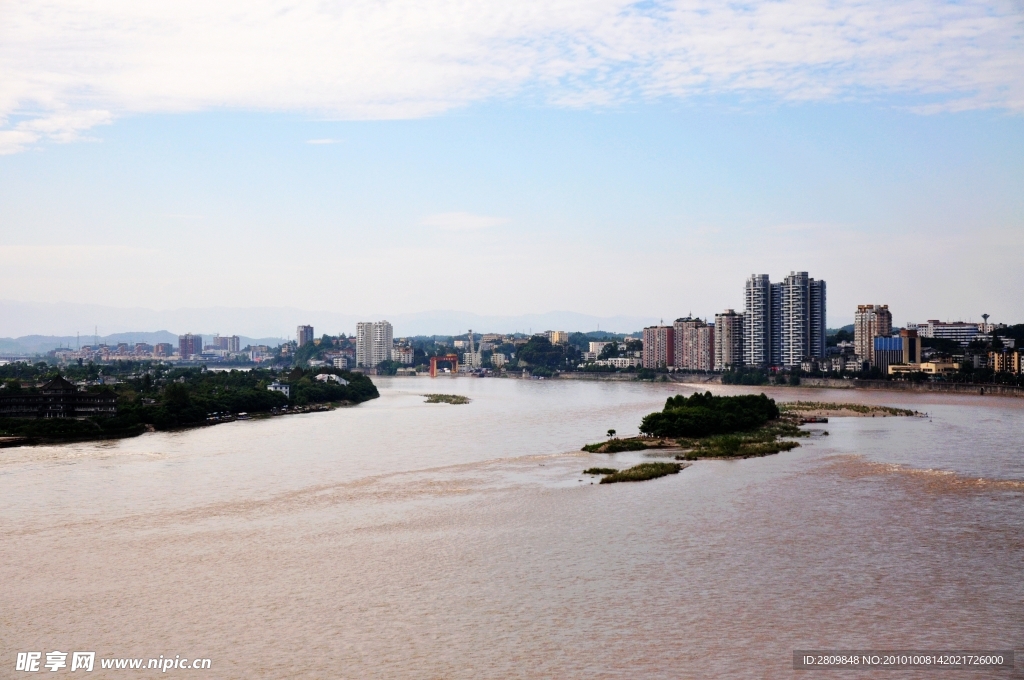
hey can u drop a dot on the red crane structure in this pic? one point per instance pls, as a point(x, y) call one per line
point(453, 359)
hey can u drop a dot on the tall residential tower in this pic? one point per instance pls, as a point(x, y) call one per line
point(870, 322)
point(728, 340)
point(374, 341)
point(783, 323)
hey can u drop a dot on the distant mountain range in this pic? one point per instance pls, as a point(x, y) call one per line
point(39, 327)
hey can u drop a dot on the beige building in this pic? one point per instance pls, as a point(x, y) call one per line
point(694, 345)
point(870, 322)
point(1005, 361)
point(728, 340)
point(403, 355)
point(929, 367)
point(659, 348)
point(558, 337)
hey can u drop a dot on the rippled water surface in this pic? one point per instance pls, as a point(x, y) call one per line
point(404, 539)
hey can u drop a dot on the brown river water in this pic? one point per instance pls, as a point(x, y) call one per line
point(399, 539)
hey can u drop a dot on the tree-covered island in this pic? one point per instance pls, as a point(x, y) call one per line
point(744, 426)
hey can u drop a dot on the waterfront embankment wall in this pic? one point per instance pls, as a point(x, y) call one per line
point(829, 383)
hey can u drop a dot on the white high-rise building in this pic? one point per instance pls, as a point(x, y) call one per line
point(803, 319)
point(783, 323)
point(374, 341)
point(757, 321)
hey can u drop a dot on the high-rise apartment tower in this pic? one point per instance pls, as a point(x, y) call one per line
point(374, 341)
point(728, 340)
point(870, 322)
point(189, 344)
point(693, 345)
point(659, 347)
point(303, 335)
point(783, 323)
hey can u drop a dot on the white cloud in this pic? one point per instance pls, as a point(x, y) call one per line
point(67, 64)
point(64, 126)
point(461, 221)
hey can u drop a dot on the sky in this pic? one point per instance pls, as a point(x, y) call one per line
point(606, 158)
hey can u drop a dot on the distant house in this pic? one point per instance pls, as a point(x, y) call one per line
point(325, 377)
point(281, 387)
point(56, 399)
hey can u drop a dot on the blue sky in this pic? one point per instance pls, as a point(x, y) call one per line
point(595, 157)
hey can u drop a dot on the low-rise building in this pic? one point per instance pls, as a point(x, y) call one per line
point(403, 355)
point(619, 362)
point(959, 331)
point(283, 388)
point(58, 398)
point(330, 377)
point(904, 348)
point(927, 367)
point(498, 359)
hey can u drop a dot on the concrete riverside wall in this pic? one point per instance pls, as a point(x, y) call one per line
point(597, 376)
point(830, 383)
point(897, 385)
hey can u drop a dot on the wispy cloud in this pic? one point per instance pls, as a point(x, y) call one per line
point(462, 221)
point(72, 64)
point(64, 126)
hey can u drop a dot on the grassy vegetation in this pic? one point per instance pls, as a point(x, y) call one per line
point(701, 415)
point(763, 441)
point(446, 399)
point(797, 406)
point(600, 471)
point(617, 445)
point(642, 472)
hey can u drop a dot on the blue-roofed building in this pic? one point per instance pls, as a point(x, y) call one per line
point(904, 348)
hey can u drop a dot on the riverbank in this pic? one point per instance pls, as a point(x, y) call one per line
point(135, 431)
point(826, 383)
